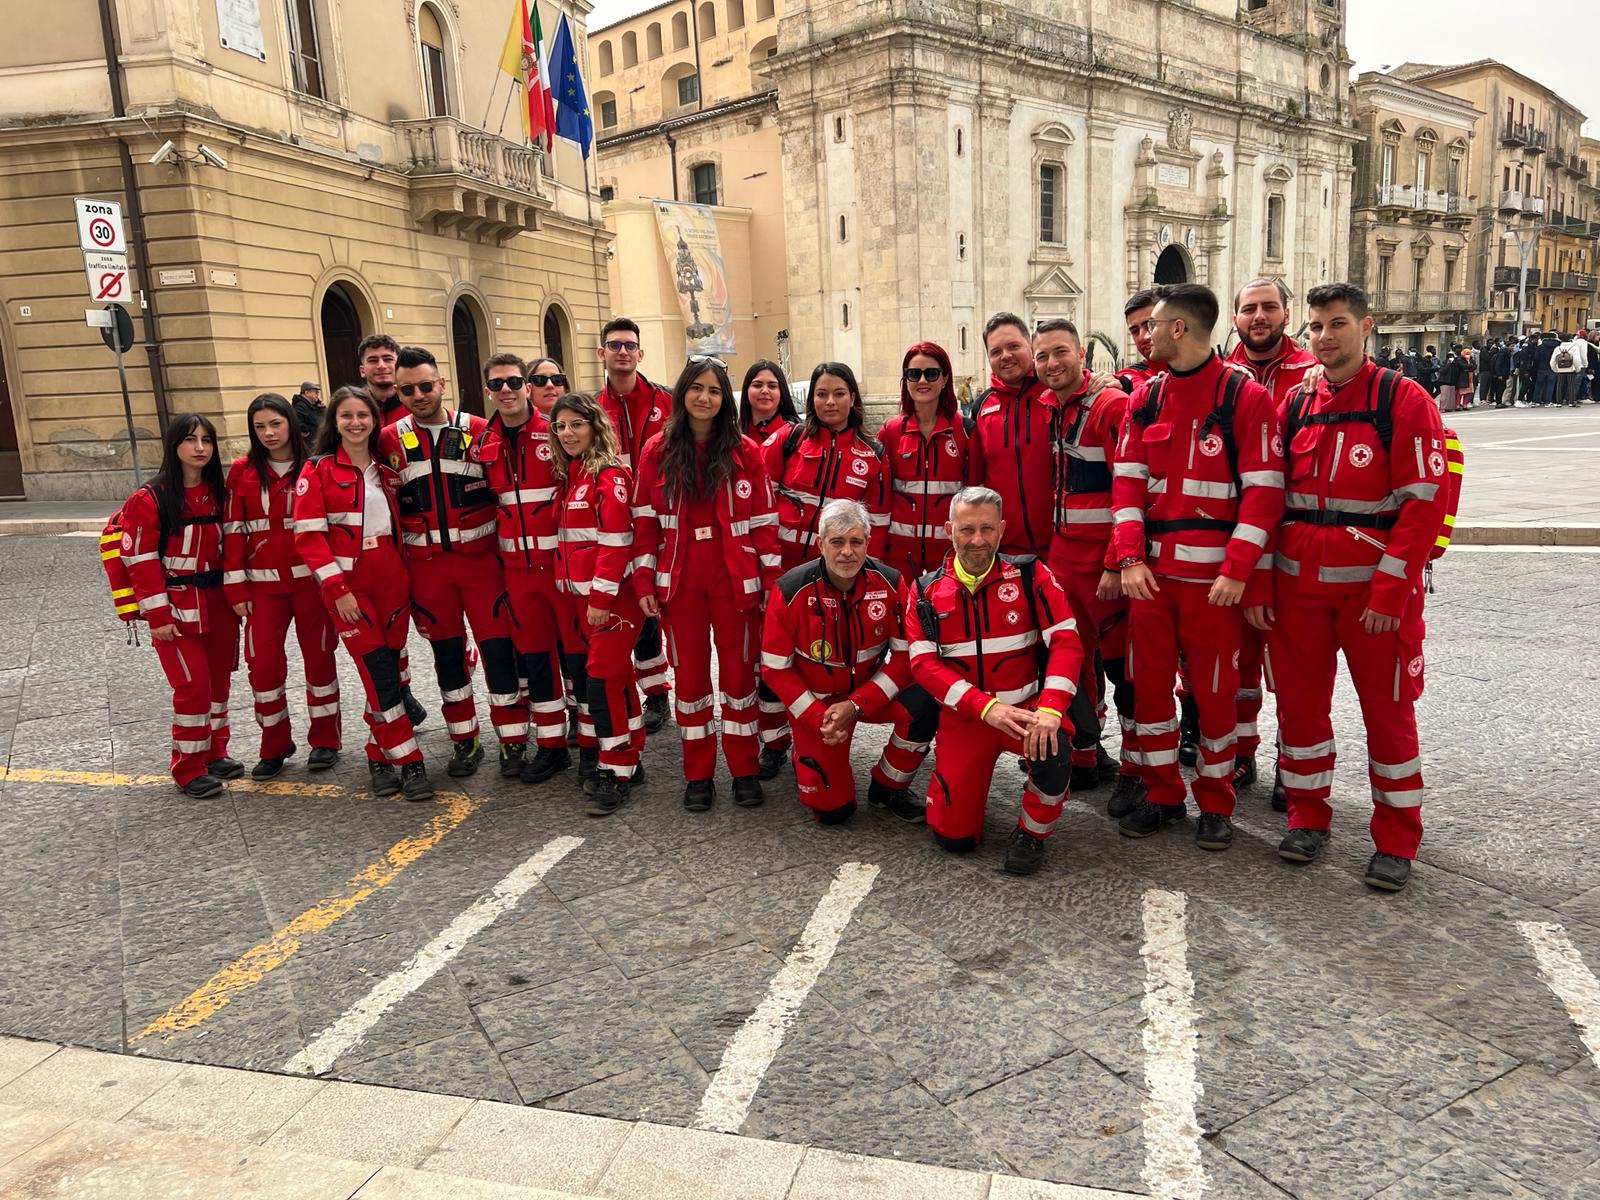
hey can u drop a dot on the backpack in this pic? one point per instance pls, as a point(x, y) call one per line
point(1219, 419)
point(1563, 359)
point(122, 597)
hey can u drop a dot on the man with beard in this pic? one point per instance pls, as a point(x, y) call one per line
point(1134, 315)
point(1012, 449)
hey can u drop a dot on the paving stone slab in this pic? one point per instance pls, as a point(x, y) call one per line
point(661, 1164)
point(529, 1147)
point(242, 1107)
point(385, 1125)
point(1527, 1125)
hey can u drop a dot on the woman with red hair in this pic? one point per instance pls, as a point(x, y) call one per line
point(925, 446)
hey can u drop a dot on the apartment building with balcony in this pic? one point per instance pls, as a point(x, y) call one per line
point(376, 179)
point(1413, 210)
point(1534, 189)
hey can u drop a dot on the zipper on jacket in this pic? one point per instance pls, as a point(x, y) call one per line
point(438, 490)
point(513, 460)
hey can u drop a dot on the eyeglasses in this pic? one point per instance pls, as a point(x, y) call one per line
point(918, 374)
point(425, 387)
point(1149, 323)
point(508, 382)
point(570, 426)
point(622, 347)
point(697, 359)
point(547, 380)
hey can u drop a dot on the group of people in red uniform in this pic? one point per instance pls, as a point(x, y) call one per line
point(1191, 526)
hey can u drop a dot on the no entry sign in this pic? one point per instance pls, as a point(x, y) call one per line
point(100, 226)
point(108, 277)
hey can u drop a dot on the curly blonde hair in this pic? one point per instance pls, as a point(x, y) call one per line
point(603, 450)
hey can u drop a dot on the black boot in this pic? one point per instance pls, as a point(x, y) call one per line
point(1189, 732)
point(385, 782)
point(202, 787)
point(897, 801)
point(588, 768)
point(1084, 779)
point(1280, 798)
point(465, 760)
point(609, 794)
point(1108, 767)
point(1147, 818)
point(546, 763)
point(414, 783)
point(415, 713)
point(699, 795)
point(321, 758)
point(1387, 872)
point(1303, 845)
point(747, 791)
point(655, 712)
point(771, 763)
point(225, 768)
point(1125, 796)
point(270, 768)
point(837, 816)
point(1024, 853)
point(1215, 832)
point(511, 757)
point(1244, 773)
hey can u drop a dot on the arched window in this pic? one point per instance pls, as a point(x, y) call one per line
point(735, 15)
point(1052, 147)
point(708, 21)
point(766, 48)
point(1275, 217)
point(435, 62)
point(652, 40)
point(680, 31)
point(605, 103)
point(630, 50)
point(680, 86)
point(1050, 202)
point(606, 64)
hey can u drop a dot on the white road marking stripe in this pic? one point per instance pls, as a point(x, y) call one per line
point(751, 1050)
point(1172, 1166)
point(1563, 970)
point(345, 1033)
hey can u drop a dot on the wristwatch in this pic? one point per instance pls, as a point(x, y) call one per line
point(1133, 560)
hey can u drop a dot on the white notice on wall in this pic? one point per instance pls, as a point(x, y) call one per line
point(239, 27)
point(1172, 175)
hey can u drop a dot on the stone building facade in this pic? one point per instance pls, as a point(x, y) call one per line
point(375, 179)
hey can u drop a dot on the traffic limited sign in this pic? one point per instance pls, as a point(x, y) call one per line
point(100, 226)
point(108, 277)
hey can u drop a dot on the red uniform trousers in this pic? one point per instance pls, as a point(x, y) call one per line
point(381, 586)
point(448, 592)
point(1386, 668)
point(599, 662)
point(266, 636)
point(1247, 700)
point(650, 659)
point(199, 666)
point(702, 608)
point(1177, 619)
point(823, 773)
point(963, 766)
point(1102, 628)
point(535, 609)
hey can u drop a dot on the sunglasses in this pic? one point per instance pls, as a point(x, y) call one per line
point(509, 382)
point(547, 380)
point(697, 359)
point(425, 387)
point(570, 426)
point(622, 347)
point(918, 374)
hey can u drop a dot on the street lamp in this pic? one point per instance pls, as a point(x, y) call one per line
point(1525, 238)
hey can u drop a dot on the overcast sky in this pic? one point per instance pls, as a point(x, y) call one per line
point(1390, 32)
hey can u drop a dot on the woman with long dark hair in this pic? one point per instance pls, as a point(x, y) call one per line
point(705, 557)
point(267, 584)
point(765, 405)
point(172, 545)
point(601, 610)
point(346, 529)
point(925, 451)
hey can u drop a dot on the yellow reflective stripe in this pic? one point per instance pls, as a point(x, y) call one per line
point(1457, 468)
point(1450, 519)
point(108, 555)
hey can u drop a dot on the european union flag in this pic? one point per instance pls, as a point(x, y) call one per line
point(573, 121)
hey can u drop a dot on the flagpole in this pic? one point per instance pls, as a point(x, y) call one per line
point(505, 108)
point(489, 105)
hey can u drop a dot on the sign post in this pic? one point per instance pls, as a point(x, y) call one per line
point(116, 330)
point(105, 265)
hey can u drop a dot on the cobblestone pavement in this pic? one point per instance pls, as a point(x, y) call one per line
point(1530, 466)
point(1349, 1044)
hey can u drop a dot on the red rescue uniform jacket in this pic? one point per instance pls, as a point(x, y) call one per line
point(973, 648)
point(925, 473)
point(329, 504)
point(760, 431)
point(820, 467)
point(636, 417)
point(1013, 452)
point(1280, 374)
point(446, 504)
point(595, 550)
point(170, 573)
point(1135, 375)
point(517, 463)
point(746, 517)
point(1178, 501)
point(1087, 429)
point(821, 645)
point(258, 533)
point(1362, 517)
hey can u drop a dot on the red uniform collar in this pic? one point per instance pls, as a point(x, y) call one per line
point(1290, 352)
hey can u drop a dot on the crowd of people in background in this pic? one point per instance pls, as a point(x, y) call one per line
point(1542, 369)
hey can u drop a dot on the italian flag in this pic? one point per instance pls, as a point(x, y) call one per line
point(526, 59)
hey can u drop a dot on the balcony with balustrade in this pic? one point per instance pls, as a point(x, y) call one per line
point(1510, 202)
point(1420, 301)
point(1510, 277)
point(1538, 141)
point(473, 183)
point(1514, 133)
point(1570, 281)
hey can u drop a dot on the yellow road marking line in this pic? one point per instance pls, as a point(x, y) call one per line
point(269, 787)
point(253, 965)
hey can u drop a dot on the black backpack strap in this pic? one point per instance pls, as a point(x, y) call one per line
point(1028, 564)
point(928, 619)
point(1151, 408)
point(1298, 399)
point(1220, 418)
point(1383, 411)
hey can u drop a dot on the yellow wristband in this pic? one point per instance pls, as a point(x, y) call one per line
point(986, 709)
point(1051, 711)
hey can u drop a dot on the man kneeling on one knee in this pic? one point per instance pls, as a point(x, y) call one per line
point(993, 641)
point(834, 652)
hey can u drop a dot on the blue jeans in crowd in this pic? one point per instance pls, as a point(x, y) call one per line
point(1544, 387)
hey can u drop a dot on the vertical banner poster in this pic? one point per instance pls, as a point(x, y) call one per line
point(694, 262)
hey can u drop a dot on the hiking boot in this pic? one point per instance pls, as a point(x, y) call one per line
point(747, 791)
point(699, 794)
point(385, 782)
point(1084, 779)
point(655, 712)
point(1215, 832)
point(1125, 796)
point(1303, 845)
point(414, 783)
point(1387, 872)
point(415, 713)
point(896, 801)
point(1244, 773)
point(954, 845)
point(1108, 767)
point(1280, 798)
point(511, 754)
point(1189, 732)
point(608, 796)
point(465, 760)
point(225, 768)
point(321, 758)
point(588, 768)
point(1024, 852)
point(270, 768)
point(201, 787)
point(771, 763)
point(546, 763)
point(1147, 818)
point(836, 816)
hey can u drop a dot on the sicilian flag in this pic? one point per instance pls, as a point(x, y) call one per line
point(573, 121)
point(524, 58)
